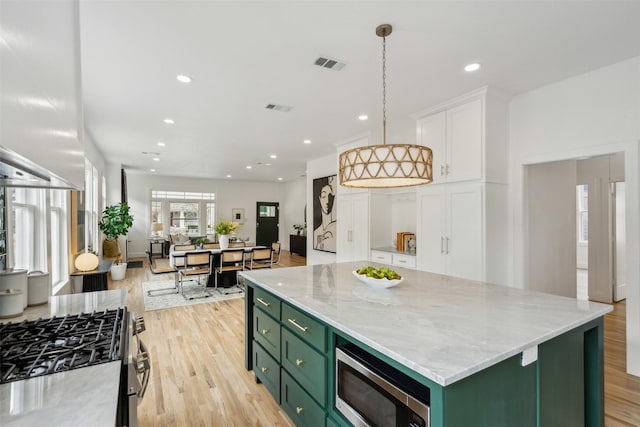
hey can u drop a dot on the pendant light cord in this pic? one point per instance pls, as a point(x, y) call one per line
point(384, 90)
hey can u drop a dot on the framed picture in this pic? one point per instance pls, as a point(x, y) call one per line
point(324, 213)
point(409, 242)
point(237, 215)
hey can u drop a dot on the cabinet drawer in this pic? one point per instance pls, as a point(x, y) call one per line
point(381, 257)
point(407, 261)
point(267, 332)
point(267, 302)
point(312, 331)
point(305, 364)
point(300, 407)
point(267, 370)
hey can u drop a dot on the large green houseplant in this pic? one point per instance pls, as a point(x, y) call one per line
point(115, 222)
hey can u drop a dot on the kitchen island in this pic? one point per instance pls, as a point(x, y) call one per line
point(81, 397)
point(489, 355)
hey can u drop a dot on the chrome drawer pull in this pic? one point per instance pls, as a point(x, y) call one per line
point(298, 410)
point(264, 370)
point(294, 323)
point(298, 362)
point(265, 331)
point(263, 302)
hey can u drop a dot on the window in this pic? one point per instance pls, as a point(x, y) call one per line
point(582, 194)
point(28, 243)
point(58, 235)
point(183, 212)
point(91, 206)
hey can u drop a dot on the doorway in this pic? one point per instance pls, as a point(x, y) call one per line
point(268, 223)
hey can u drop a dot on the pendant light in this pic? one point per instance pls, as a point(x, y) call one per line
point(385, 165)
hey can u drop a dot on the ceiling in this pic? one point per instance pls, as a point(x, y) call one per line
point(243, 55)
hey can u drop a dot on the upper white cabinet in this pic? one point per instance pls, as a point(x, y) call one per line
point(467, 136)
point(40, 100)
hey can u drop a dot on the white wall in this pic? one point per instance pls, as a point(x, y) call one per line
point(318, 168)
point(591, 114)
point(229, 195)
point(292, 210)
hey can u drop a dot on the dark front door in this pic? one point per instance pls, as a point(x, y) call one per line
point(268, 214)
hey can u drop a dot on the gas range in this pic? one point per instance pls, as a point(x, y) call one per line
point(45, 346)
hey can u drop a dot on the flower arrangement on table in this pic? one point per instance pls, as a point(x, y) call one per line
point(300, 228)
point(225, 227)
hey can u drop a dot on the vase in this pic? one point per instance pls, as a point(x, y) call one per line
point(110, 248)
point(118, 271)
point(224, 241)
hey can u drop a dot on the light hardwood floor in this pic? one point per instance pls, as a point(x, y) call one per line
point(198, 376)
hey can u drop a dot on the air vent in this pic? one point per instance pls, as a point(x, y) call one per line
point(152, 153)
point(281, 108)
point(332, 64)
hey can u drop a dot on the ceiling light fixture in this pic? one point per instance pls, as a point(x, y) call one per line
point(382, 165)
point(228, 176)
point(307, 141)
point(156, 159)
point(169, 121)
point(161, 144)
point(273, 156)
point(363, 117)
point(248, 167)
point(472, 67)
point(152, 170)
point(184, 79)
point(280, 178)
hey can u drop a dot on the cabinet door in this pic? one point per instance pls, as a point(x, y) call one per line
point(463, 245)
point(432, 133)
point(464, 142)
point(352, 243)
point(431, 231)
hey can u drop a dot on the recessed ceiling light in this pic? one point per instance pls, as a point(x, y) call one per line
point(184, 79)
point(279, 178)
point(472, 67)
point(152, 170)
point(161, 144)
point(169, 121)
point(156, 159)
point(228, 176)
point(273, 156)
point(363, 117)
point(267, 164)
point(307, 141)
point(248, 167)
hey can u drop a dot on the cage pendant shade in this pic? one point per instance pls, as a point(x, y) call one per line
point(385, 165)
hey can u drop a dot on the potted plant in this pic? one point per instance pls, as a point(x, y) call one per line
point(201, 241)
point(115, 222)
point(223, 229)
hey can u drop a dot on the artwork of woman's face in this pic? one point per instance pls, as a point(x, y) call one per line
point(326, 199)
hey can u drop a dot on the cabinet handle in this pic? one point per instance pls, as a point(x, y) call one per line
point(264, 370)
point(298, 409)
point(447, 245)
point(441, 245)
point(298, 362)
point(349, 236)
point(297, 325)
point(402, 261)
point(263, 302)
point(447, 170)
point(265, 331)
point(441, 170)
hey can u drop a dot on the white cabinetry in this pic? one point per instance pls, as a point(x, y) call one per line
point(352, 242)
point(392, 258)
point(450, 231)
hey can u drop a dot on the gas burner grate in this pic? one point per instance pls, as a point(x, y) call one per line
point(46, 346)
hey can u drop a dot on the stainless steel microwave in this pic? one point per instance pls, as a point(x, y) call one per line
point(371, 393)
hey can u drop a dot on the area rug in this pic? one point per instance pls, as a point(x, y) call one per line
point(161, 265)
point(167, 298)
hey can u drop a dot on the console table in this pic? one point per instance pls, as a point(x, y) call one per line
point(94, 280)
point(298, 244)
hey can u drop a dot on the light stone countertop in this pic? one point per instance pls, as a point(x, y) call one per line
point(79, 397)
point(393, 250)
point(441, 327)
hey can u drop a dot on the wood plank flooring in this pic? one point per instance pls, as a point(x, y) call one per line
point(198, 376)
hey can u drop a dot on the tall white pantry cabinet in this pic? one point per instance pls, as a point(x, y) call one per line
point(461, 227)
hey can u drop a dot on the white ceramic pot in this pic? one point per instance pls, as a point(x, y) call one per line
point(10, 303)
point(118, 271)
point(15, 279)
point(224, 241)
point(39, 288)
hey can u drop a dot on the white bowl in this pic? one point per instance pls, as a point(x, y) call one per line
point(377, 283)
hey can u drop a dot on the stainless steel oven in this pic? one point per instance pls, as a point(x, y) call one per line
point(371, 393)
point(136, 370)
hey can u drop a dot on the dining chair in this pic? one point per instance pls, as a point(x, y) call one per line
point(275, 246)
point(195, 264)
point(211, 246)
point(231, 260)
point(237, 244)
point(260, 258)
